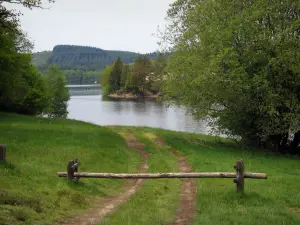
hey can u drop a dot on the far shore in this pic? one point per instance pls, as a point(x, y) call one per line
point(133, 96)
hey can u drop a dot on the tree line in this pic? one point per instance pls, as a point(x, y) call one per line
point(87, 58)
point(23, 89)
point(237, 64)
point(141, 77)
point(82, 64)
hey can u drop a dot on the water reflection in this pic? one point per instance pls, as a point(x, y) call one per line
point(148, 113)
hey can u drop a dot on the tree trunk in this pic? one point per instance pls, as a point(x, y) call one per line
point(295, 143)
point(277, 142)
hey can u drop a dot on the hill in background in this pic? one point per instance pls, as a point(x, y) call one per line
point(82, 64)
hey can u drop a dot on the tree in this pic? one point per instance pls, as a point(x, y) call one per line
point(33, 100)
point(21, 87)
point(237, 62)
point(58, 93)
point(158, 68)
point(129, 85)
point(105, 76)
point(141, 72)
point(124, 75)
point(115, 75)
point(28, 3)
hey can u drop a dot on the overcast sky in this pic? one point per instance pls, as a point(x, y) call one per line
point(107, 24)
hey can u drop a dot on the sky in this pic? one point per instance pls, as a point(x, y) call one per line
point(126, 25)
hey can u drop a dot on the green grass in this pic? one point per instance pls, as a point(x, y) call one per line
point(157, 200)
point(31, 192)
point(37, 148)
point(272, 201)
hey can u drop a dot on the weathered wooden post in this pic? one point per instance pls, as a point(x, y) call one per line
point(239, 180)
point(70, 170)
point(2, 153)
point(75, 168)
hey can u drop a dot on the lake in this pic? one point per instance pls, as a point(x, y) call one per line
point(149, 113)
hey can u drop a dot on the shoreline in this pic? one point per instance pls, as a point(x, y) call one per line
point(133, 96)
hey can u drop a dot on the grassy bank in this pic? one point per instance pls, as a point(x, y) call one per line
point(31, 192)
point(272, 201)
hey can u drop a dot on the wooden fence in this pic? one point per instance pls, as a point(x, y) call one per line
point(239, 176)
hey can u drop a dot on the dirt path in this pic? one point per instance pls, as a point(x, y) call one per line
point(187, 205)
point(108, 205)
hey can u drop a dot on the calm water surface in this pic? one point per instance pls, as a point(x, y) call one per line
point(149, 113)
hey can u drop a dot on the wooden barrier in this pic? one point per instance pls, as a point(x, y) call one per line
point(72, 173)
point(2, 153)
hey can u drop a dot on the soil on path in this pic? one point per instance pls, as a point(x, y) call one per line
point(187, 205)
point(108, 205)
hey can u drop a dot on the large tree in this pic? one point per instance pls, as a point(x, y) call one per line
point(141, 72)
point(21, 87)
point(58, 93)
point(237, 62)
point(115, 75)
point(125, 74)
point(105, 77)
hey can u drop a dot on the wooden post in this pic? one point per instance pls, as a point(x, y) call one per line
point(2, 153)
point(75, 168)
point(239, 180)
point(70, 170)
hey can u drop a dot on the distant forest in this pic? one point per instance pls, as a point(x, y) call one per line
point(83, 64)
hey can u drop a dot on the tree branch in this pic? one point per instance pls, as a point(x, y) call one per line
point(28, 3)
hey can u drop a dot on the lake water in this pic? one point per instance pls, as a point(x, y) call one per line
point(149, 113)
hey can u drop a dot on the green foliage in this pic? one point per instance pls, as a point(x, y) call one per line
point(57, 92)
point(237, 62)
point(77, 61)
point(39, 59)
point(21, 87)
point(81, 76)
point(124, 75)
point(31, 95)
point(105, 76)
point(115, 75)
point(129, 85)
point(158, 73)
point(141, 71)
point(139, 77)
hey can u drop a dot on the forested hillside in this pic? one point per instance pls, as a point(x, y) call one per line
point(82, 64)
point(40, 58)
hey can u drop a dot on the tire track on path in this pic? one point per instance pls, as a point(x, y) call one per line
point(187, 206)
point(109, 205)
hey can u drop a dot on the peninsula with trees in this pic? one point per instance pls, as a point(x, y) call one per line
point(141, 79)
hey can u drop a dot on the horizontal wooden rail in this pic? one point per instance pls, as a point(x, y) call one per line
point(164, 175)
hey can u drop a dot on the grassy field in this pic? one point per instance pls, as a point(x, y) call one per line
point(31, 192)
point(38, 148)
point(272, 201)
